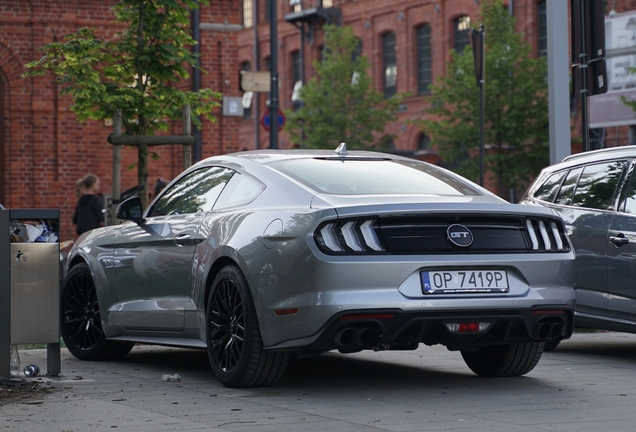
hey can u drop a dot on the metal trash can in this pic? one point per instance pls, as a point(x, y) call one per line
point(29, 283)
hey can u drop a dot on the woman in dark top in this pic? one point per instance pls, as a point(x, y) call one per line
point(89, 212)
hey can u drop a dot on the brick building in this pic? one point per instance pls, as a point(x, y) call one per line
point(408, 44)
point(44, 149)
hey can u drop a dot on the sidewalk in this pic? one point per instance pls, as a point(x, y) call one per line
point(587, 384)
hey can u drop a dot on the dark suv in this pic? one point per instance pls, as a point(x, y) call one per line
point(595, 194)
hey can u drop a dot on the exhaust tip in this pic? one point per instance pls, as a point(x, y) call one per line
point(346, 337)
point(555, 330)
point(369, 336)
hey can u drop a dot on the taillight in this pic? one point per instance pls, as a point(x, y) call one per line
point(348, 237)
point(546, 235)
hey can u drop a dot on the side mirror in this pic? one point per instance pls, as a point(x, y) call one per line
point(131, 210)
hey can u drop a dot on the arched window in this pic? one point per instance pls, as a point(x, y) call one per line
point(423, 142)
point(462, 33)
point(389, 64)
point(424, 58)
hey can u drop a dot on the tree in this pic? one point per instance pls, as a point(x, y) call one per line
point(137, 72)
point(516, 107)
point(340, 103)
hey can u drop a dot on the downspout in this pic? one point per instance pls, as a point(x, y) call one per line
point(196, 75)
point(257, 99)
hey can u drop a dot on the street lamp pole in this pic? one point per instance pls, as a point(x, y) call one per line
point(479, 52)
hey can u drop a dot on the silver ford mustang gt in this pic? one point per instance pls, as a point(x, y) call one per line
point(264, 255)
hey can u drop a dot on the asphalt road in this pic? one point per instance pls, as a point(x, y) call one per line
point(587, 384)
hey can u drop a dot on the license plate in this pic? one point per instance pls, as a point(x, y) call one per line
point(464, 281)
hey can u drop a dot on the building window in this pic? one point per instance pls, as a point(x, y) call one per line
point(424, 58)
point(327, 3)
point(268, 15)
point(423, 142)
point(462, 33)
point(357, 52)
point(542, 30)
point(296, 77)
point(248, 95)
point(389, 64)
point(296, 67)
point(247, 14)
point(296, 5)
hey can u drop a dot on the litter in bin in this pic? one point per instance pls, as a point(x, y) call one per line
point(171, 378)
point(31, 231)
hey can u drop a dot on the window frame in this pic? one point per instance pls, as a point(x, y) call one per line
point(542, 28)
point(389, 61)
point(151, 213)
point(247, 19)
point(423, 61)
point(461, 38)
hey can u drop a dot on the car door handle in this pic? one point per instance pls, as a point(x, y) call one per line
point(619, 240)
point(181, 239)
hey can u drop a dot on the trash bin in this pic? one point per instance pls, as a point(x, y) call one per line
point(29, 293)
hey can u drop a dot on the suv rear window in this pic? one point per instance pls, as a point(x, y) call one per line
point(548, 191)
point(373, 176)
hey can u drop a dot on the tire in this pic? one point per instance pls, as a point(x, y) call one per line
point(549, 346)
point(235, 346)
point(81, 325)
point(504, 360)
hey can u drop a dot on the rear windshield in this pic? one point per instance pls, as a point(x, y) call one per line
point(373, 176)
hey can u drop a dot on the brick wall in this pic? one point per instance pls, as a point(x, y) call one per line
point(44, 149)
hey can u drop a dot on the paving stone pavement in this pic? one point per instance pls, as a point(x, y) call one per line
point(587, 384)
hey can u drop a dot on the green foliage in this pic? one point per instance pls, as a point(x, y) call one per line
point(335, 109)
point(516, 107)
point(137, 76)
point(138, 72)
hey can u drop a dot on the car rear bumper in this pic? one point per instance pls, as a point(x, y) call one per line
point(390, 329)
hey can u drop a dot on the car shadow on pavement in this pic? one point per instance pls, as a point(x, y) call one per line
point(618, 350)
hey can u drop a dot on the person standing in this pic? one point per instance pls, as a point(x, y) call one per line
point(89, 213)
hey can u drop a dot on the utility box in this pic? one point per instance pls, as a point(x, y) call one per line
point(29, 283)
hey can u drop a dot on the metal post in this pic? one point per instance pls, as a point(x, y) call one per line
point(117, 127)
point(187, 149)
point(5, 296)
point(256, 98)
point(482, 103)
point(196, 75)
point(583, 71)
point(273, 94)
point(558, 80)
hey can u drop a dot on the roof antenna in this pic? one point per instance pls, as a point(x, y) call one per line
point(341, 150)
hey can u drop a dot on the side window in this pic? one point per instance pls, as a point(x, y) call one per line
point(630, 198)
point(240, 190)
point(567, 190)
point(597, 185)
point(196, 192)
point(548, 191)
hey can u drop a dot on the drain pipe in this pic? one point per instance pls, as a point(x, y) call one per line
point(256, 101)
point(196, 75)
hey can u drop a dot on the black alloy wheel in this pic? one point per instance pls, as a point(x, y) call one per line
point(81, 325)
point(235, 346)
